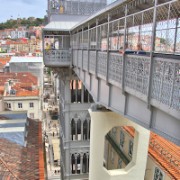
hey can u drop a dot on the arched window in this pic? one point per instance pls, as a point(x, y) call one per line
point(79, 89)
point(89, 128)
point(73, 164)
point(73, 130)
point(85, 129)
point(85, 95)
point(84, 164)
point(78, 164)
point(88, 163)
point(73, 90)
point(79, 130)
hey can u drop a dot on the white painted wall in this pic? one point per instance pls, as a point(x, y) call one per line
point(25, 105)
point(101, 124)
point(151, 165)
point(1, 105)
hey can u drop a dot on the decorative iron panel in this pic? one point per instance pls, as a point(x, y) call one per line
point(57, 56)
point(79, 58)
point(85, 60)
point(175, 101)
point(137, 73)
point(74, 57)
point(115, 67)
point(166, 82)
point(102, 63)
point(92, 65)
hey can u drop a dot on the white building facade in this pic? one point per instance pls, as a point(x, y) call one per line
point(31, 104)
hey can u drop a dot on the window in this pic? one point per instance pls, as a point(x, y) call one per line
point(9, 105)
point(19, 105)
point(122, 139)
point(158, 175)
point(112, 156)
point(114, 133)
point(120, 163)
point(31, 105)
point(130, 148)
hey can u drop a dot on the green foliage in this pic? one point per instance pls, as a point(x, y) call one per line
point(21, 22)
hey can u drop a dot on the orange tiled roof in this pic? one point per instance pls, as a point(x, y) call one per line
point(17, 162)
point(1, 66)
point(4, 60)
point(1, 90)
point(130, 130)
point(24, 84)
point(23, 77)
point(23, 92)
point(165, 153)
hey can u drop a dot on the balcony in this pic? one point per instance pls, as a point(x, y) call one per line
point(57, 58)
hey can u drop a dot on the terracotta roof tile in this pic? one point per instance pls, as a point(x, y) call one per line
point(25, 83)
point(25, 163)
point(165, 153)
point(4, 60)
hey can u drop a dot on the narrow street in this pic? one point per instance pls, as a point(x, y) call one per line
point(51, 136)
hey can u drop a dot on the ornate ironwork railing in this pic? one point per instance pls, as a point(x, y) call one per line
point(154, 30)
point(57, 57)
point(92, 58)
point(137, 73)
point(166, 82)
point(115, 68)
point(102, 64)
point(163, 82)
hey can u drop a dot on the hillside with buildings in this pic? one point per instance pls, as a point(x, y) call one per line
point(27, 22)
point(21, 41)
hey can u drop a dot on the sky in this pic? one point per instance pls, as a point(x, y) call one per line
point(22, 8)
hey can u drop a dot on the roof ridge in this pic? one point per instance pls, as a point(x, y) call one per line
point(166, 145)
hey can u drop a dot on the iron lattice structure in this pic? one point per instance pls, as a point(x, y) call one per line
point(75, 7)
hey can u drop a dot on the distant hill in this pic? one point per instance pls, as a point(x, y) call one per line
point(31, 21)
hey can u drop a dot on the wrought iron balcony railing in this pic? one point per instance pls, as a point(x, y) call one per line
point(57, 58)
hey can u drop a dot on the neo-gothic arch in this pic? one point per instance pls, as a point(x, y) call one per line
point(76, 128)
point(80, 126)
point(76, 116)
point(76, 163)
point(79, 129)
point(73, 130)
point(79, 162)
point(84, 163)
point(88, 115)
point(85, 130)
point(73, 164)
point(86, 127)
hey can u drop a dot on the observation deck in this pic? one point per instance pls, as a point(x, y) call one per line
point(144, 87)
